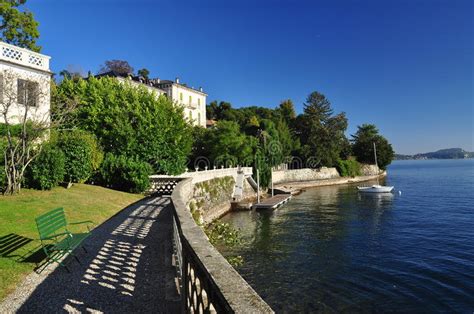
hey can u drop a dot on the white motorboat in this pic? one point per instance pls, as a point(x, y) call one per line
point(376, 188)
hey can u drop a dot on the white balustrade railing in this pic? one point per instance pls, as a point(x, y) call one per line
point(23, 56)
point(205, 175)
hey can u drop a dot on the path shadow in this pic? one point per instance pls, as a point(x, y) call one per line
point(128, 267)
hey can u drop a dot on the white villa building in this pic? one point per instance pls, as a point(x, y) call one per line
point(25, 82)
point(193, 100)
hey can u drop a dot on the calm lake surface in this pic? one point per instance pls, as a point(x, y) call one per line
point(330, 249)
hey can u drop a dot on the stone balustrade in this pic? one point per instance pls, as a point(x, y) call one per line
point(24, 57)
point(196, 177)
point(209, 284)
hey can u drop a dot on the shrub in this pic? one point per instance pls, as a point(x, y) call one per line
point(348, 168)
point(125, 174)
point(82, 152)
point(47, 170)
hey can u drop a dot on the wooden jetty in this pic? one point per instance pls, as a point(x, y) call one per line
point(272, 202)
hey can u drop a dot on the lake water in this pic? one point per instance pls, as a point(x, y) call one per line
point(330, 249)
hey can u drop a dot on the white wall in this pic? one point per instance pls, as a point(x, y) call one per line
point(200, 176)
point(194, 109)
point(11, 73)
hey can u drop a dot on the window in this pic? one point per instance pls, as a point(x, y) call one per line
point(199, 118)
point(27, 92)
point(190, 99)
point(199, 102)
point(190, 115)
point(181, 96)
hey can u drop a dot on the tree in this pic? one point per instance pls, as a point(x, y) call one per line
point(218, 111)
point(363, 146)
point(227, 145)
point(130, 121)
point(265, 131)
point(321, 132)
point(117, 66)
point(66, 74)
point(144, 72)
point(287, 112)
point(25, 127)
point(317, 106)
point(211, 110)
point(72, 72)
point(16, 27)
point(200, 150)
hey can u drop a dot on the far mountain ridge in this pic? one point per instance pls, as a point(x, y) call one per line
point(447, 153)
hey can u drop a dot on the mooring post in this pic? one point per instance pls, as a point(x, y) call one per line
point(258, 187)
point(271, 179)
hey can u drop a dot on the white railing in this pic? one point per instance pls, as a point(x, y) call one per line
point(205, 175)
point(24, 56)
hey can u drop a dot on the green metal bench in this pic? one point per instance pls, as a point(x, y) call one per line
point(56, 240)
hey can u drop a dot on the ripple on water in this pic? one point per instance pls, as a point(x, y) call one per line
point(330, 249)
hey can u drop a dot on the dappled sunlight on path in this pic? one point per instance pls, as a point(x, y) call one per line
point(128, 268)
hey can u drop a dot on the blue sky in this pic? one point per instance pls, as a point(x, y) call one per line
point(405, 65)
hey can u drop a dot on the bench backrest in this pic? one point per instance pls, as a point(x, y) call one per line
point(48, 224)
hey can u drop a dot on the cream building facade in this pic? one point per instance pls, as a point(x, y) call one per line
point(25, 84)
point(192, 100)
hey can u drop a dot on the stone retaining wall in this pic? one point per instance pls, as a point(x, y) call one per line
point(369, 170)
point(306, 174)
point(211, 199)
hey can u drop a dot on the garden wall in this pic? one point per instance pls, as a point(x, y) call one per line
point(369, 170)
point(212, 199)
point(306, 174)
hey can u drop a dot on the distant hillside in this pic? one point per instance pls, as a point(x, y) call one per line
point(449, 153)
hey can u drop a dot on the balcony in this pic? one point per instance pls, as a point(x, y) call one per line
point(24, 57)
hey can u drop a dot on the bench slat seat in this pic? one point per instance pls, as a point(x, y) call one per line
point(71, 243)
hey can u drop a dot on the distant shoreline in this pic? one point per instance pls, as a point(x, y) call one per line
point(467, 158)
point(448, 153)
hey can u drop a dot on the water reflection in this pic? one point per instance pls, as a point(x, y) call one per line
point(309, 242)
point(332, 249)
point(376, 200)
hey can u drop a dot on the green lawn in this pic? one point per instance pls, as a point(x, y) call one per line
point(17, 219)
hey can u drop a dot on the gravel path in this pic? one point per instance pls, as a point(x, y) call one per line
point(128, 268)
